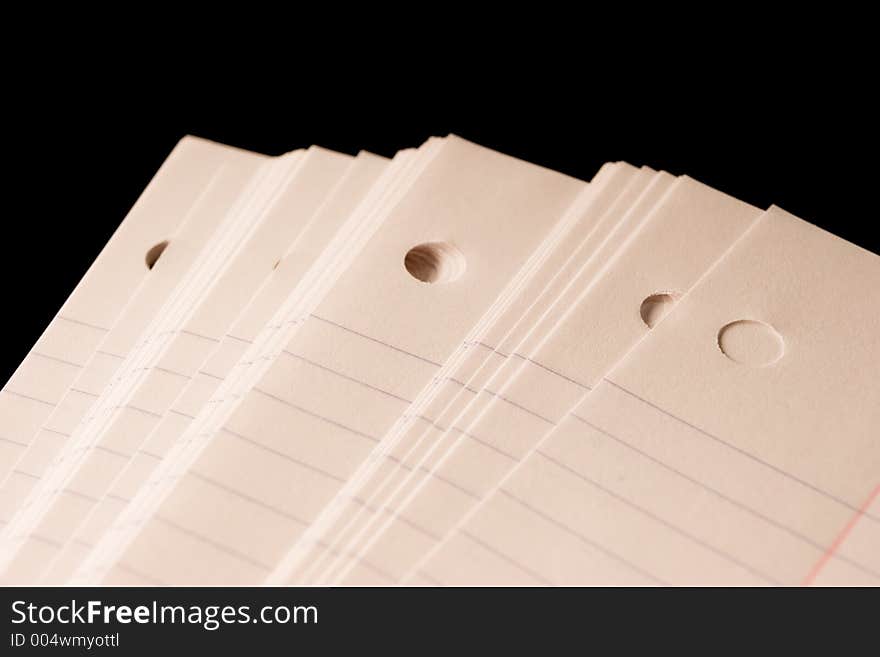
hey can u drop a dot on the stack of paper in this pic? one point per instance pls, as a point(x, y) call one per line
point(451, 367)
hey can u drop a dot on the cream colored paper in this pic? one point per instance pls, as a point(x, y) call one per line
point(671, 253)
point(146, 389)
point(281, 400)
point(685, 466)
point(200, 225)
point(266, 348)
point(304, 252)
point(39, 383)
point(611, 196)
point(395, 349)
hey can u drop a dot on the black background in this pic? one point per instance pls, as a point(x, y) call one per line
point(82, 143)
point(771, 122)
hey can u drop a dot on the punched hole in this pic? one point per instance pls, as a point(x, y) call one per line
point(655, 307)
point(155, 253)
point(435, 262)
point(750, 342)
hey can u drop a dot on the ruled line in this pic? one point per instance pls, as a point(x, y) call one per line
point(315, 415)
point(282, 455)
point(220, 547)
point(111, 451)
point(195, 335)
point(211, 376)
point(238, 339)
point(344, 376)
point(743, 452)
point(376, 340)
point(460, 383)
point(507, 559)
point(660, 520)
point(81, 323)
point(167, 371)
point(84, 392)
point(57, 360)
point(519, 406)
point(244, 496)
point(845, 532)
point(138, 409)
point(478, 343)
point(486, 444)
point(25, 474)
point(740, 505)
point(28, 397)
point(614, 556)
point(529, 360)
point(409, 523)
point(552, 371)
point(434, 475)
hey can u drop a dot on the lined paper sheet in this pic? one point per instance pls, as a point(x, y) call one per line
point(473, 364)
point(565, 364)
point(165, 376)
point(686, 467)
point(405, 459)
point(388, 350)
point(284, 277)
point(199, 224)
point(453, 367)
point(117, 398)
point(359, 228)
point(34, 390)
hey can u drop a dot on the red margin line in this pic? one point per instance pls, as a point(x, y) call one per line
point(808, 580)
